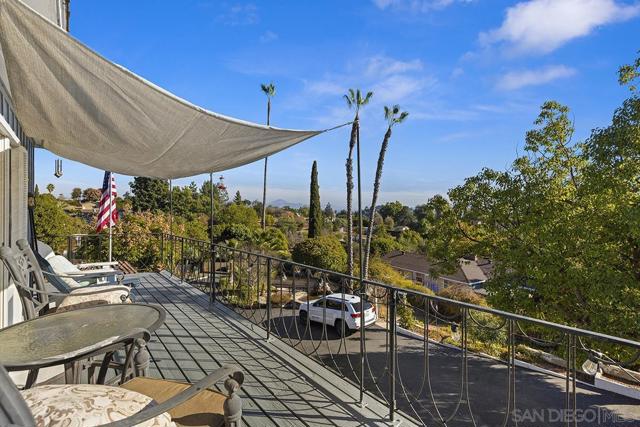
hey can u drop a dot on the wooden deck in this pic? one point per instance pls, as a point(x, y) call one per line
point(282, 387)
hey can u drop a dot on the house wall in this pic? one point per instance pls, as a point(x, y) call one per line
point(16, 173)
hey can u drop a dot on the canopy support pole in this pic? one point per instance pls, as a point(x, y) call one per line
point(212, 267)
point(110, 216)
point(173, 241)
point(363, 291)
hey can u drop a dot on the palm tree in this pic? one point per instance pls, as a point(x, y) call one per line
point(270, 91)
point(393, 115)
point(354, 100)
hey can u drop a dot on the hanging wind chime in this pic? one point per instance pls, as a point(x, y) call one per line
point(58, 168)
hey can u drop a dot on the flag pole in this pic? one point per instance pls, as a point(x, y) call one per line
point(110, 216)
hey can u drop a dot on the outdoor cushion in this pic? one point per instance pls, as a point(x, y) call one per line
point(76, 298)
point(204, 409)
point(61, 265)
point(45, 250)
point(87, 405)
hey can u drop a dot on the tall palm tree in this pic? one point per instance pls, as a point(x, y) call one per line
point(393, 115)
point(270, 91)
point(356, 101)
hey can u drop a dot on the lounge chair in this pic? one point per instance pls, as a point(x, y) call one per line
point(83, 274)
point(154, 401)
point(36, 299)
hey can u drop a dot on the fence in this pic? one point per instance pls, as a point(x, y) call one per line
point(433, 358)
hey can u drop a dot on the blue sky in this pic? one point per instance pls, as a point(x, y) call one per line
point(471, 73)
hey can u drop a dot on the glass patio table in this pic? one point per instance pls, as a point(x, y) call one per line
point(67, 337)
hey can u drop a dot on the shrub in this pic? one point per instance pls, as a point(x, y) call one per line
point(405, 315)
point(384, 244)
point(462, 293)
point(324, 252)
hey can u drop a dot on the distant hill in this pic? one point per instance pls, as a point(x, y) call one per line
point(281, 203)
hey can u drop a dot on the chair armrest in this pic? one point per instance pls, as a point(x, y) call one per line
point(94, 274)
point(87, 276)
point(65, 294)
point(234, 378)
point(97, 264)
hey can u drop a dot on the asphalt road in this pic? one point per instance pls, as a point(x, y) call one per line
point(539, 397)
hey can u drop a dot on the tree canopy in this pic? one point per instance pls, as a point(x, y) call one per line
point(315, 211)
point(562, 224)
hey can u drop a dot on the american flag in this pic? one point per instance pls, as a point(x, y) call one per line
point(107, 204)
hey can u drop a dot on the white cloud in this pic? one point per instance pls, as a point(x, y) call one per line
point(399, 88)
point(417, 5)
point(544, 25)
point(391, 80)
point(326, 87)
point(240, 14)
point(380, 65)
point(268, 36)
point(518, 79)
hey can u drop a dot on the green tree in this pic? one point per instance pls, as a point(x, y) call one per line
point(91, 194)
point(561, 225)
point(391, 210)
point(356, 101)
point(238, 198)
point(149, 194)
point(50, 188)
point(328, 212)
point(52, 224)
point(315, 211)
point(270, 91)
point(394, 116)
point(381, 245)
point(76, 194)
point(234, 214)
point(323, 252)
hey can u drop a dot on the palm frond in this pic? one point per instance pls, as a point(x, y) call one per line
point(268, 89)
point(367, 98)
point(346, 98)
point(402, 117)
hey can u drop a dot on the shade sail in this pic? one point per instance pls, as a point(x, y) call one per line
point(81, 106)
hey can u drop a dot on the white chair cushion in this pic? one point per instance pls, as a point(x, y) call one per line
point(76, 296)
point(87, 405)
point(62, 265)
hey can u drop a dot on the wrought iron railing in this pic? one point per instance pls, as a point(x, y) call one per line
point(440, 361)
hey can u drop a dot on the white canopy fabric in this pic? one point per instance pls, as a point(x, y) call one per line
point(81, 106)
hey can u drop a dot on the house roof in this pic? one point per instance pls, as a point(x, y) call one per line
point(418, 262)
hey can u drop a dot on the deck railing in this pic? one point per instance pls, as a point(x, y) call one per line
point(438, 360)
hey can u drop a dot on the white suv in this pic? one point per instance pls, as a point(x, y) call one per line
point(332, 316)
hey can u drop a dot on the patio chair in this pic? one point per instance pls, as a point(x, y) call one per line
point(82, 274)
point(23, 265)
point(151, 401)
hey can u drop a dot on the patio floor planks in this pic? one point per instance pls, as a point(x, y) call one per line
point(282, 387)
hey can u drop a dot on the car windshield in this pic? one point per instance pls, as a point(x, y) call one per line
point(356, 306)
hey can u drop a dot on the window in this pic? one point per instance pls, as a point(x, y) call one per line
point(356, 306)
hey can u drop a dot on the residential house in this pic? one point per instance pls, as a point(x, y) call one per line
point(418, 267)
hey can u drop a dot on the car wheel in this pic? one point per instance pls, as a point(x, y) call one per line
point(302, 317)
point(338, 327)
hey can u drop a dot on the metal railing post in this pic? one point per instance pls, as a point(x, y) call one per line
point(268, 298)
point(69, 248)
point(162, 248)
point(182, 259)
point(393, 298)
point(212, 275)
point(171, 253)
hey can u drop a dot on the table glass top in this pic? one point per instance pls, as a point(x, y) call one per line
point(64, 335)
